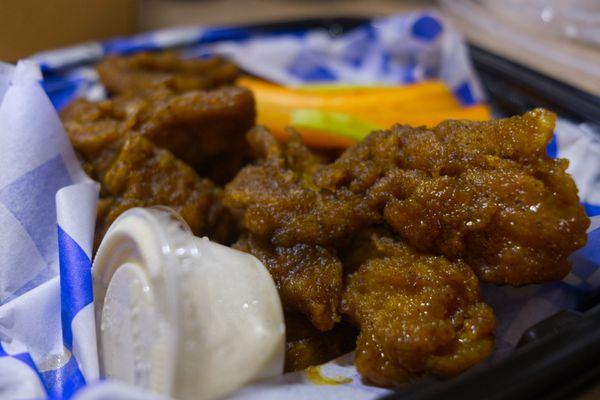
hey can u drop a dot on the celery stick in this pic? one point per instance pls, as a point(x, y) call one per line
point(336, 123)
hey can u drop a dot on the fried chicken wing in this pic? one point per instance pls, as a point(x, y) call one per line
point(292, 226)
point(307, 346)
point(485, 192)
point(144, 175)
point(279, 200)
point(204, 129)
point(417, 314)
point(148, 71)
point(416, 216)
point(308, 277)
point(392, 236)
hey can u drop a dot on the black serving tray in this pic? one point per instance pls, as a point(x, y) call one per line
point(559, 357)
point(560, 360)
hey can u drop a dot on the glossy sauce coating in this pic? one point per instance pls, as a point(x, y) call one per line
point(418, 314)
point(485, 192)
point(144, 175)
point(447, 205)
point(203, 128)
point(391, 236)
point(307, 346)
point(309, 278)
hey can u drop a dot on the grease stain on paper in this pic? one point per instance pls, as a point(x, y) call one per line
point(315, 376)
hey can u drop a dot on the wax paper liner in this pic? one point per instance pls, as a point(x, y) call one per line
point(47, 204)
point(396, 50)
point(47, 212)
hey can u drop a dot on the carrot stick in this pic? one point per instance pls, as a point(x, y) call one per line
point(348, 100)
point(334, 117)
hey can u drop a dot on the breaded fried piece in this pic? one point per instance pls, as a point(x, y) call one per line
point(204, 129)
point(485, 192)
point(277, 206)
point(143, 175)
point(97, 130)
point(308, 278)
point(307, 346)
point(279, 201)
point(417, 314)
point(148, 71)
point(416, 215)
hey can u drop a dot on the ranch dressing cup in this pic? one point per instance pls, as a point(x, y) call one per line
point(180, 315)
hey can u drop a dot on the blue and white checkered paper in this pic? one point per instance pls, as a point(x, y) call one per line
point(47, 212)
point(47, 205)
point(394, 50)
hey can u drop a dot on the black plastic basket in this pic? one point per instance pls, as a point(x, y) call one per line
point(559, 357)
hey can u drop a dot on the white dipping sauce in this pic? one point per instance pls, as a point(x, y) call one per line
point(181, 315)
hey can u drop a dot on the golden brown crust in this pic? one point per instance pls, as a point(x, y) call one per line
point(307, 346)
point(148, 71)
point(482, 198)
point(392, 235)
point(308, 277)
point(417, 314)
point(144, 175)
point(146, 144)
point(204, 129)
point(279, 201)
point(482, 191)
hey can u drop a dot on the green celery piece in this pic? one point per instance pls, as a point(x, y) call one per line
point(336, 123)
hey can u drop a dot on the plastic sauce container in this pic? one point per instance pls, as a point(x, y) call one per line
point(180, 315)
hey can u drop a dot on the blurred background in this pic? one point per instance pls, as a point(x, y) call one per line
point(558, 37)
